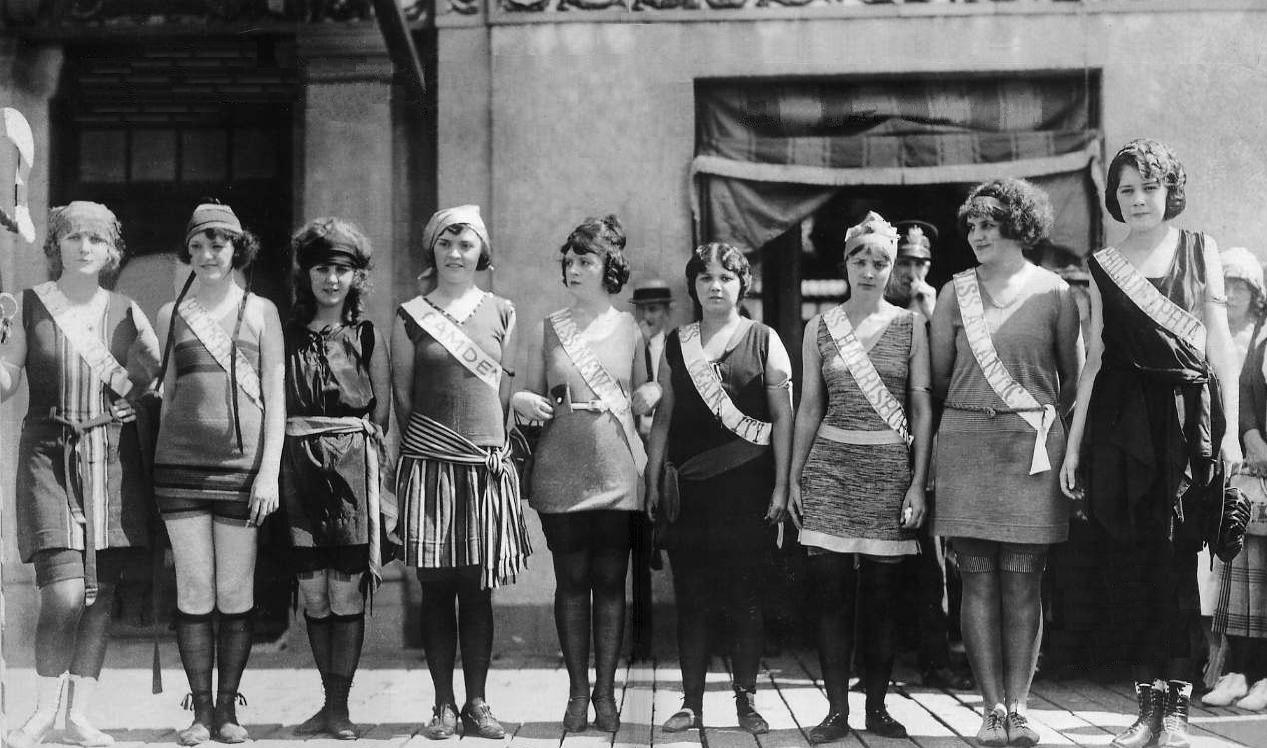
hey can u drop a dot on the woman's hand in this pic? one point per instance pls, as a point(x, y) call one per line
point(646, 398)
point(122, 410)
point(1069, 477)
point(264, 499)
point(531, 406)
point(777, 511)
point(653, 501)
point(795, 508)
point(913, 508)
point(1256, 455)
point(1231, 451)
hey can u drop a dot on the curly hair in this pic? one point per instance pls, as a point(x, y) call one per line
point(309, 246)
point(604, 237)
point(1023, 212)
point(1153, 160)
point(730, 258)
point(58, 225)
point(245, 246)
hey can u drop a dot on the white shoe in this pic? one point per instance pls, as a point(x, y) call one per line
point(1257, 699)
point(1230, 687)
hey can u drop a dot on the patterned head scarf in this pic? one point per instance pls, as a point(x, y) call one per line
point(212, 217)
point(87, 217)
point(872, 232)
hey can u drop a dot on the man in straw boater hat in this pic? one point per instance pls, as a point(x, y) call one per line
point(653, 303)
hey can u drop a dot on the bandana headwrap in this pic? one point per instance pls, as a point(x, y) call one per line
point(873, 232)
point(86, 217)
point(211, 217)
point(468, 214)
point(328, 241)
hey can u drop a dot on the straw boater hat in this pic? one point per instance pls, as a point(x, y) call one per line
point(653, 291)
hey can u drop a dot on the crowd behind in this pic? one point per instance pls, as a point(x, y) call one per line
point(987, 415)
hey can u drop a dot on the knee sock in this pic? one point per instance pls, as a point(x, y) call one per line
point(608, 576)
point(440, 635)
point(233, 644)
point(878, 586)
point(195, 638)
point(744, 587)
point(835, 584)
point(572, 617)
point(475, 623)
point(347, 637)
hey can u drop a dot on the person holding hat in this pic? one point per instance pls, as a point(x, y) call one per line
point(461, 520)
point(860, 454)
point(907, 285)
point(1005, 361)
point(338, 384)
point(653, 304)
point(82, 506)
point(216, 471)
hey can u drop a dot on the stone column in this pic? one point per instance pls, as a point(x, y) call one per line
point(348, 162)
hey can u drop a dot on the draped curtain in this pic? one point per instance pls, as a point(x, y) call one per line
point(769, 154)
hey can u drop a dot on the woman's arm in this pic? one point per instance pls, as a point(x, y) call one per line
point(920, 420)
point(168, 384)
point(645, 393)
point(402, 365)
point(1069, 355)
point(808, 415)
point(1221, 351)
point(144, 355)
point(778, 384)
point(658, 441)
point(941, 344)
point(1253, 402)
point(12, 358)
point(1082, 401)
point(508, 381)
point(530, 402)
point(264, 491)
point(381, 380)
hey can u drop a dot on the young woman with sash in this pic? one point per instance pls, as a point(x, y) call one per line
point(1157, 409)
point(1005, 359)
point(462, 524)
point(217, 467)
point(338, 384)
point(860, 456)
point(717, 474)
point(1240, 589)
point(81, 499)
point(589, 461)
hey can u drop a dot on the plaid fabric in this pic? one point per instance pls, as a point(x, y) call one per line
point(1242, 591)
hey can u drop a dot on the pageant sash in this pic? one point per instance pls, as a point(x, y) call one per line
point(438, 325)
point(88, 345)
point(217, 343)
point(864, 373)
point(1039, 417)
point(375, 509)
point(1166, 313)
point(599, 380)
point(715, 397)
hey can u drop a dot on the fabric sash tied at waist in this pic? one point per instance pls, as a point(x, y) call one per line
point(859, 436)
point(707, 464)
point(502, 534)
point(379, 511)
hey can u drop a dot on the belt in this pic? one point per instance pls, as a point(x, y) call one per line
point(83, 512)
point(593, 406)
point(859, 436)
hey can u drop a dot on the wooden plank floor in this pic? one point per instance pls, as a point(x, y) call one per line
point(392, 695)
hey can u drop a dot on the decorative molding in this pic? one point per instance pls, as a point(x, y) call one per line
point(150, 13)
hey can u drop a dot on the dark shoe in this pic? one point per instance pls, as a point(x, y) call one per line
point(1147, 726)
point(225, 727)
point(1019, 733)
point(314, 725)
point(880, 723)
point(685, 718)
point(749, 718)
point(835, 726)
point(946, 678)
point(576, 716)
point(478, 721)
point(1174, 721)
point(199, 731)
point(443, 724)
point(606, 713)
point(341, 727)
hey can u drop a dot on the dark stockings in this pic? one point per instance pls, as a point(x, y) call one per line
point(839, 587)
point(347, 637)
point(195, 638)
point(700, 585)
point(440, 627)
point(590, 593)
point(233, 645)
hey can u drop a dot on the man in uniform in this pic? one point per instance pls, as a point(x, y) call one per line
point(907, 285)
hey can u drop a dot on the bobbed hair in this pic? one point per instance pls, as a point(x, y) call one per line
point(454, 229)
point(57, 228)
point(604, 237)
point(1024, 213)
point(728, 256)
point(319, 235)
point(246, 246)
point(1154, 160)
